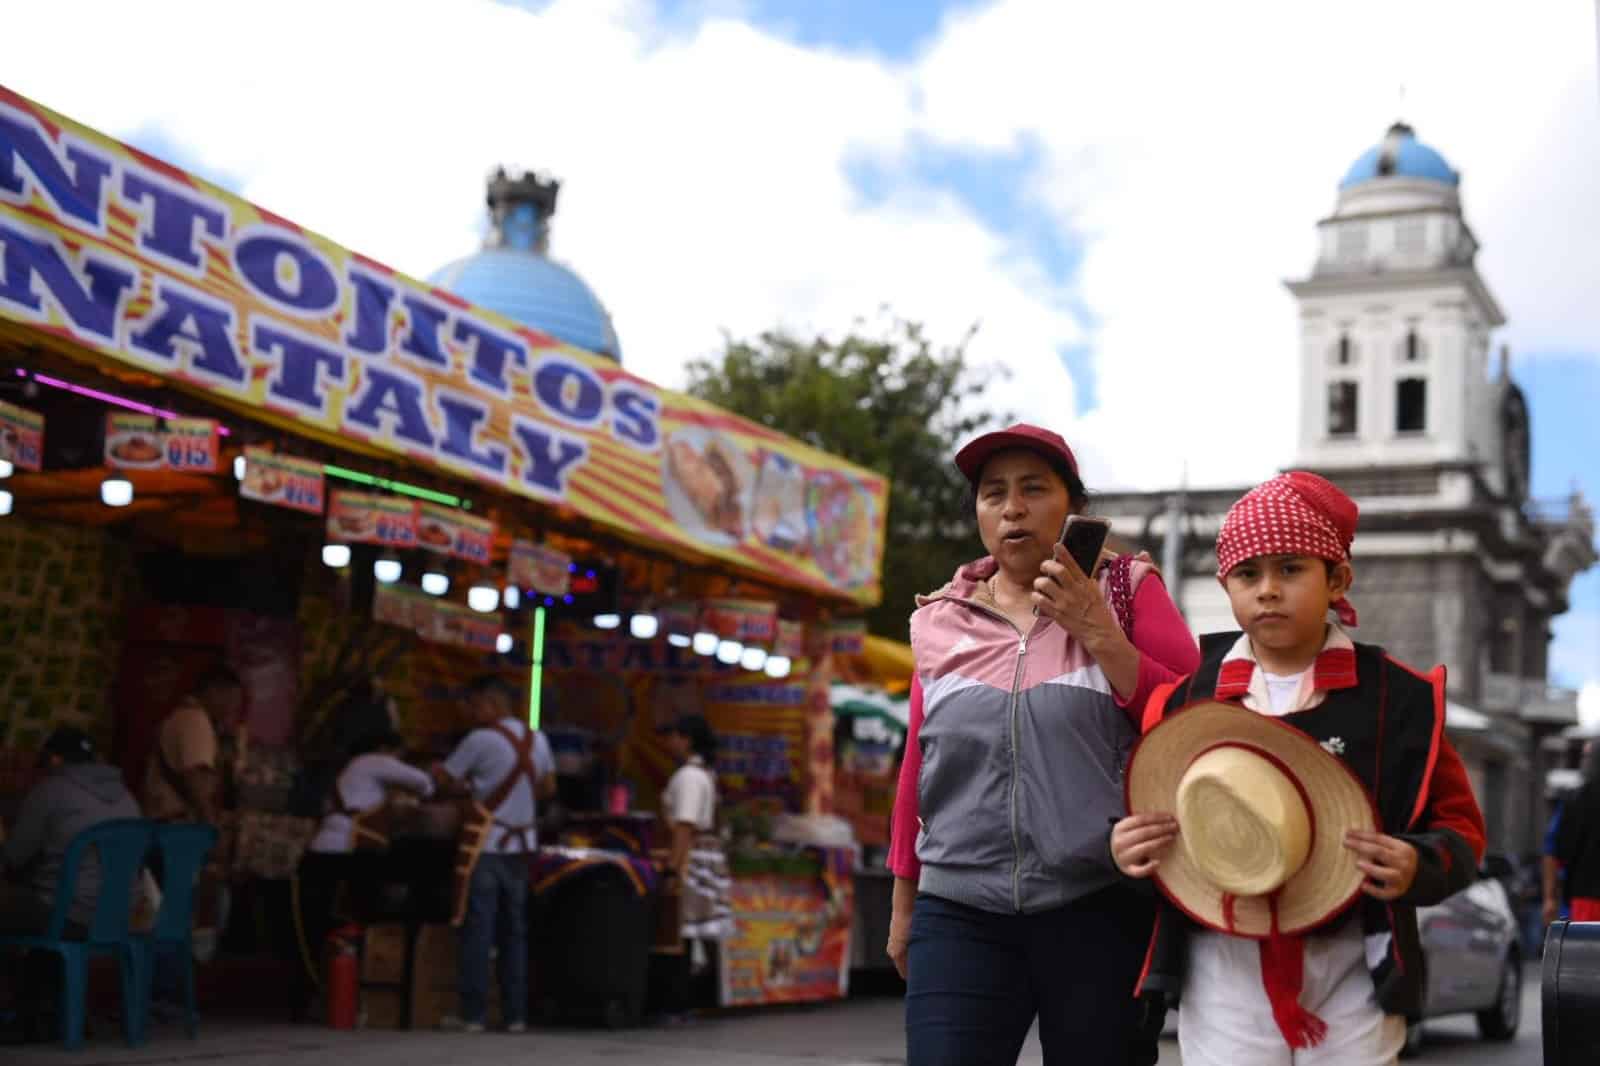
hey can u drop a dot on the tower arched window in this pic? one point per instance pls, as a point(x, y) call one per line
point(1413, 347)
point(1344, 352)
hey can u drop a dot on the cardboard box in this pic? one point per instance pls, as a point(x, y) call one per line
point(383, 955)
point(382, 1008)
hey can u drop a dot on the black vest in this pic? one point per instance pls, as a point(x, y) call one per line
point(1387, 728)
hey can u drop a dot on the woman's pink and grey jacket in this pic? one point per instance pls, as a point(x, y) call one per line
point(1017, 744)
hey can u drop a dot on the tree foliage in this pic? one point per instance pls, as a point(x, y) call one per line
point(895, 403)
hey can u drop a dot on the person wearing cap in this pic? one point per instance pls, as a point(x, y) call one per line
point(77, 792)
point(1023, 709)
point(1296, 800)
point(697, 869)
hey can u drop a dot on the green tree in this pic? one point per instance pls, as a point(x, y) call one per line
point(895, 403)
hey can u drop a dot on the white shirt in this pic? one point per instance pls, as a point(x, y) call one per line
point(1283, 692)
point(483, 760)
point(362, 787)
point(691, 796)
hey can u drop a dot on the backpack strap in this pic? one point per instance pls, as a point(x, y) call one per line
point(1119, 589)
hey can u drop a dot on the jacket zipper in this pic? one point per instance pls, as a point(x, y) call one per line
point(1016, 694)
point(1016, 840)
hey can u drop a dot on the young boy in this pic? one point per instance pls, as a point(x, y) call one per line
point(1340, 993)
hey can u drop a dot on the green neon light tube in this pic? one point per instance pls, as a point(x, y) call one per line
point(395, 486)
point(536, 679)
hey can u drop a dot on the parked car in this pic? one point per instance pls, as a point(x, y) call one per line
point(1474, 954)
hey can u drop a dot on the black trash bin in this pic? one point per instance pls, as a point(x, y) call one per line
point(591, 948)
point(1571, 994)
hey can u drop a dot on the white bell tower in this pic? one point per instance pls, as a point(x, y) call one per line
point(1395, 322)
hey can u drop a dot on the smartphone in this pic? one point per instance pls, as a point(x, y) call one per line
point(1084, 536)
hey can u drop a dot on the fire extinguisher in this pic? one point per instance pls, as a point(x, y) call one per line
point(343, 977)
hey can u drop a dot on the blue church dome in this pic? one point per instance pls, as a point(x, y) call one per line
point(514, 275)
point(1400, 155)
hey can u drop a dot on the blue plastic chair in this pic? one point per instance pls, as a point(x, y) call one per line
point(183, 848)
point(120, 845)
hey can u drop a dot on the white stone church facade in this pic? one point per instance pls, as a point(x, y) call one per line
point(1402, 405)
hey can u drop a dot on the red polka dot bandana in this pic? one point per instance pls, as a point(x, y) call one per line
point(1293, 514)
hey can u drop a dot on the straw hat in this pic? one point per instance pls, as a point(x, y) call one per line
point(1261, 808)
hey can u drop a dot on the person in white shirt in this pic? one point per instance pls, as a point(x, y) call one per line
point(507, 767)
point(363, 786)
point(335, 858)
point(697, 869)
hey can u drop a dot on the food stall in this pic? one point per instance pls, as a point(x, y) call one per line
point(225, 435)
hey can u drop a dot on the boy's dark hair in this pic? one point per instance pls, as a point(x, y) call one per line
point(496, 686)
point(218, 676)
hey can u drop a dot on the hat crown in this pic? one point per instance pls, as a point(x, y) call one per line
point(1243, 821)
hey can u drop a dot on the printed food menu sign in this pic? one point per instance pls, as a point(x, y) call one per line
point(362, 518)
point(543, 570)
point(21, 437)
point(218, 297)
point(451, 532)
point(282, 480)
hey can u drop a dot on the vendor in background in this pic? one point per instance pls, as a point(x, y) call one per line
point(346, 847)
point(182, 780)
point(697, 869)
point(507, 767)
point(183, 783)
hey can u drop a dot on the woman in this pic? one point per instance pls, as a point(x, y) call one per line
point(696, 867)
point(335, 855)
point(1024, 708)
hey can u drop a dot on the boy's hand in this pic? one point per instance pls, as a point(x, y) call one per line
point(1139, 841)
point(1389, 863)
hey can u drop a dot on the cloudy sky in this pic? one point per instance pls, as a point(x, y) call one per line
point(1113, 193)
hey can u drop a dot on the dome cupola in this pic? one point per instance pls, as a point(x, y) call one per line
point(514, 275)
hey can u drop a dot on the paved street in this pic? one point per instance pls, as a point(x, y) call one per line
point(862, 1032)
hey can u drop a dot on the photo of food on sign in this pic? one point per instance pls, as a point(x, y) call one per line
point(262, 482)
point(707, 481)
point(778, 517)
point(434, 534)
point(139, 450)
point(355, 523)
point(842, 516)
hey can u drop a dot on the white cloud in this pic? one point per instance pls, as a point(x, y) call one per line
point(1191, 148)
point(705, 186)
point(1589, 705)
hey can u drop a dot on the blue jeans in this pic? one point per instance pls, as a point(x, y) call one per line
point(978, 980)
point(497, 913)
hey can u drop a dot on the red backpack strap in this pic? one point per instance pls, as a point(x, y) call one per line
point(1119, 588)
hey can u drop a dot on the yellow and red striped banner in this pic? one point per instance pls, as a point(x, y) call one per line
point(133, 260)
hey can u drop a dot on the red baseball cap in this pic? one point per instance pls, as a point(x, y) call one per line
point(970, 459)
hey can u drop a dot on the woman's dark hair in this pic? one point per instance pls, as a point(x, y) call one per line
point(1077, 495)
point(381, 740)
point(702, 741)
